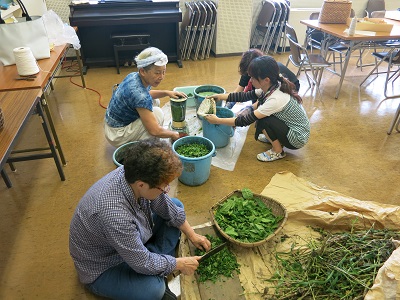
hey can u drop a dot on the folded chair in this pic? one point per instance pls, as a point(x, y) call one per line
point(280, 37)
point(264, 25)
point(274, 26)
point(304, 61)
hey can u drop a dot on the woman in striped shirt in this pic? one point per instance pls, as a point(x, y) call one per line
point(278, 112)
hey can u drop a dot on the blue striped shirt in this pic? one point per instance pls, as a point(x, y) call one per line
point(110, 226)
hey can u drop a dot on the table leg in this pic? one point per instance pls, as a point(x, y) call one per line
point(53, 130)
point(50, 141)
point(80, 65)
point(346, 62)
point(6, 178)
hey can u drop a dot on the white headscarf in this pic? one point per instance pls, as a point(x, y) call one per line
point(150, 56)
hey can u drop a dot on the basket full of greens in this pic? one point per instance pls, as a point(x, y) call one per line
point(248, 219)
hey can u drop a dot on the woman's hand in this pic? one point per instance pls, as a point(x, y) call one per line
point(212, 119)
point(175, 136)
point(200, 241)
point(177, 95)
point(187, 265)
point(219, 96)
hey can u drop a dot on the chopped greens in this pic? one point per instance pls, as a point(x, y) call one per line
point(246, 219)
point(220, 264)
point(192, 150)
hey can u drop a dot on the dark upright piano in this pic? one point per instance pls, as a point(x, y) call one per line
point(97, 22)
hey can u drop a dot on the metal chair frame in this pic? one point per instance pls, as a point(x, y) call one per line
point(275, 25)
point(392, 58)
point(263, 25)
point(213, 7)
point(305, 61)
point(281, 36)
point(186, 28)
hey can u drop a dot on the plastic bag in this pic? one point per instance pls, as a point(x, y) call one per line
point(58, 32)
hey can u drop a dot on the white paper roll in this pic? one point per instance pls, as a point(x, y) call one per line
point(25, 61)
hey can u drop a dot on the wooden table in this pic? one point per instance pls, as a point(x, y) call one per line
point(354, 42)
point(17, 107)
point(48, 68)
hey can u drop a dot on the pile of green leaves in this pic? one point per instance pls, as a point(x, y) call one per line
point(336, 266)
point(220, 264)
point(192, 150)
point(246, 218)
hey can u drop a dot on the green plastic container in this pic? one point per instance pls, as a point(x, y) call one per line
point(119, 153)
point(189, 91)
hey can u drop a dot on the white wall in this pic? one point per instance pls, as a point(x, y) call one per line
point(35, 7)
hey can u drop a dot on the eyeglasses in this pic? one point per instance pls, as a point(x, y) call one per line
point(165, 190)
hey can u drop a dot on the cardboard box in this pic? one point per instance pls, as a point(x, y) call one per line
point(377, 25)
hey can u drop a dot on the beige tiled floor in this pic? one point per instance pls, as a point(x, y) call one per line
point(349, 151)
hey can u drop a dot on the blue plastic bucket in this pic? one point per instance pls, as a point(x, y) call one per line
point(211, 90)
point(217, 133)
point(196, 170)
point(119, 153)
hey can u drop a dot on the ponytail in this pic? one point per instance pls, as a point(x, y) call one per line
point(289, 87)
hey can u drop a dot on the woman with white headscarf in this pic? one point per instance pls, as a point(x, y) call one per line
point(131, 114)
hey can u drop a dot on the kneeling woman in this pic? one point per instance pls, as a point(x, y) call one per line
point(278, 112)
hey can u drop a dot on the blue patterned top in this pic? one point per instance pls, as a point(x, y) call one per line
point(110, 226)
point(130, 94)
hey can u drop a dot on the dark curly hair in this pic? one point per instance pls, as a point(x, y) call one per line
point(247, 57)
point(152, 161)
point(266, 66)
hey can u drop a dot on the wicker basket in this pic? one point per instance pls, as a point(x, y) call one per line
point(277, 209)
point(335, 12)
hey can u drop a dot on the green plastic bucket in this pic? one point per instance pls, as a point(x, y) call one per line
point(217, 133)
point(196, 170)
point(119, 153)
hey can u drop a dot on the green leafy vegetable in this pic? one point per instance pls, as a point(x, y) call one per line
point(223, 263)
point(247, 193)
point(192, 150)
point(246, 219)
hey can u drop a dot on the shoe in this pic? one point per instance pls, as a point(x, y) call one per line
point(270, 155)
point(262, 138)
point(168, 295)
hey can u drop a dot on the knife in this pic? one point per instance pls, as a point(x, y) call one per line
point(212, 252)
point(205, 256)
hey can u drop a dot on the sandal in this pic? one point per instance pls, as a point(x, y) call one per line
point(270, 155)
point(262, 138)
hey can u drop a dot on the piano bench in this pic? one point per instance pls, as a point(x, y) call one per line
point(128, 42)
